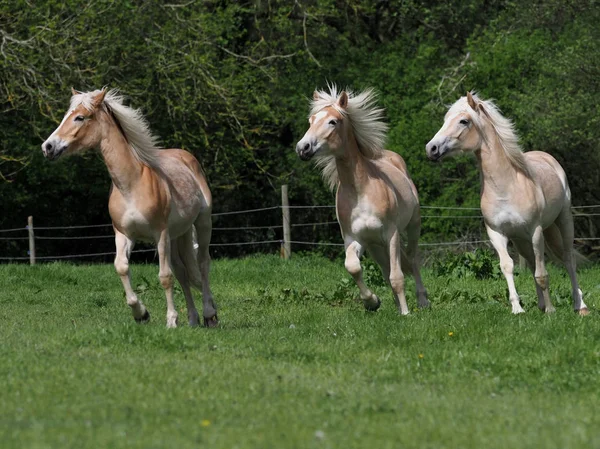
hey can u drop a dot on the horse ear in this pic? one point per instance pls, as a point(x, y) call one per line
point(471, 101)
point(480, 108)
point(98, 98)
point(343, 100)
point(74, 92)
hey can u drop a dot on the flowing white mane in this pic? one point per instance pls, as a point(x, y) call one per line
point(367, 124)
point(504, 128)
point(143, 143)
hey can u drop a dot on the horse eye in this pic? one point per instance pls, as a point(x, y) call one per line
point(79, 118)
point(333, 122)
point(464, 122)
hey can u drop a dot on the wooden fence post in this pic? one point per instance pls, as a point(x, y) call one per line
point(285, 209)
point(31, 240)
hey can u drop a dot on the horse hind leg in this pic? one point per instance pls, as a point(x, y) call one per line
point(410, 262)
point(197, 263)
point(181, 274)
point(396, 277)
point(564, 236)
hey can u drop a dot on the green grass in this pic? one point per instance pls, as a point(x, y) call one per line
point(296, 363)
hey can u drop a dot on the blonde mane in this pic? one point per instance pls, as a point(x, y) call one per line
point(135, 127)
point(503, 127)
point(366, 120)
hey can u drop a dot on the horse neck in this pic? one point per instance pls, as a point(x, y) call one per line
point(124, 168)
point(351, 166)
point(498, 173)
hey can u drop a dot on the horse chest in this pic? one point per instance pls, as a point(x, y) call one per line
point(131, 220)
point(505, 218)
point(366, 226)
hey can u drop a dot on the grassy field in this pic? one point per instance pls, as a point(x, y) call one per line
point(296, 363)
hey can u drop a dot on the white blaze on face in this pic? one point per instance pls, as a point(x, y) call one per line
point(54, 140)
point(318, 117)
point(444, 129)
point(67, 115)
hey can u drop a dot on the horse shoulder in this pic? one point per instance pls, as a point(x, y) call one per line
point(396, 160)
point(397, 179)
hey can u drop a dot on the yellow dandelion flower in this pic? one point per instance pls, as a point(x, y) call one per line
point(205, 423)
point(421, 356)
point(450, 334)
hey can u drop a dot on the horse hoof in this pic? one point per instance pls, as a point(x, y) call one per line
point(583, 312)
point(424, 304)
point(144, 319)
point(372, 304)
point(550, 310)
point(211, 322)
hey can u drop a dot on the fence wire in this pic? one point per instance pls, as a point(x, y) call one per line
point(264, 227)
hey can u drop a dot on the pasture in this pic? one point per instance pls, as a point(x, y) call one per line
point(295, 363)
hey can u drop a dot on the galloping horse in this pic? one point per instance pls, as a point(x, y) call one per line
point(525, 197)
point(157, 195)
point(376, 200)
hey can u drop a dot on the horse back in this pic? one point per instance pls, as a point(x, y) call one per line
point(184, 174)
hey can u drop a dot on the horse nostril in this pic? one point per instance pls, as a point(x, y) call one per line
point(434, 149)
point(48, 147)
point(306, 147)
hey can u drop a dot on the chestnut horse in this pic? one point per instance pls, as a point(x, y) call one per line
point(157, 195)
point(525, 197)
point(376, 200)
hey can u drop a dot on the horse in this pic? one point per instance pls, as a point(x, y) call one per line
point(376, 200)
point(525, 197)
point(158, 195)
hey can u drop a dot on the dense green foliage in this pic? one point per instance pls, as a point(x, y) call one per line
point(229, 81)
point(289, 367)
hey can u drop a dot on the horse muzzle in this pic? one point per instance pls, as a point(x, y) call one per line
point(53, 149)
point(435, 151)
point(305, 150)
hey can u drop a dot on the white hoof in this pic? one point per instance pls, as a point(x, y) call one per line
point(172, 320)
point(516, 309)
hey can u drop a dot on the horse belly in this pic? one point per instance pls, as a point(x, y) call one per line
point(181, 219)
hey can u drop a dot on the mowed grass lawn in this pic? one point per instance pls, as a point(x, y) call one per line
point(296, 363)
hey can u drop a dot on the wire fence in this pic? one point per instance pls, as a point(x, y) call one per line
point(8, 234)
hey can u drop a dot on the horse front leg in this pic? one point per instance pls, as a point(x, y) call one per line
point(353, 252)
point(500, 243)
point(542, 280)
point(165, 275)
point(124, 246)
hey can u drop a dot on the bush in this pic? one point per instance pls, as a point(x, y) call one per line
point(479, 264)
